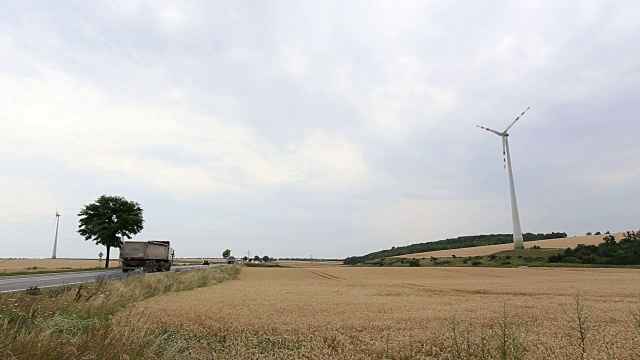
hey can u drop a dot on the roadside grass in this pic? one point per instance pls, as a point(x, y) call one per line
point(77, 322)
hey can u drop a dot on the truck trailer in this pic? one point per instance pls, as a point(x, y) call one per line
point(149, 256)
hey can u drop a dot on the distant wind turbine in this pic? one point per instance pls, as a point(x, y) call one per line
point(55, 242)
point(518, 243)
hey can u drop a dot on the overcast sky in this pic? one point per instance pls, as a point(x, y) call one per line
point(316, 128)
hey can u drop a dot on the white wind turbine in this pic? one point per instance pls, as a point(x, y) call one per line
point(55, 242)
point(518, 243)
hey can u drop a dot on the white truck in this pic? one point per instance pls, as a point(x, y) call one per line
point(149, 256)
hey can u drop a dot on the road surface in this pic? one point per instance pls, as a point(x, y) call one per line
point(22, 282)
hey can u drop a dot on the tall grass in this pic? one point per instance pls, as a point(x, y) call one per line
point(503, 339)
point(78, 322)
point(581, 323)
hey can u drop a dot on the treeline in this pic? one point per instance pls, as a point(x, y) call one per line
point(455, 243)
point(624, 252)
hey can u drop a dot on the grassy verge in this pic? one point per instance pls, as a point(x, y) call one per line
point(77, 322)
point(509, 258)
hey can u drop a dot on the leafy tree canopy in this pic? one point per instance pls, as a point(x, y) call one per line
point(110, 219)
point(226, 253)
point(609, 252)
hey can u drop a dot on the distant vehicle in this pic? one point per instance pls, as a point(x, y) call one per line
point(149, 256)
point(206, 262)
point(231, 260)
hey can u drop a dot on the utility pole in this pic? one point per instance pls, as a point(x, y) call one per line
point(55, 241)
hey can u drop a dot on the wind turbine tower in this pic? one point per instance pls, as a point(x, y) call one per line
point(55, 242)
point(518, 243)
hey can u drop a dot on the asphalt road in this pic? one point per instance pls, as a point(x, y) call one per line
point(22, 282)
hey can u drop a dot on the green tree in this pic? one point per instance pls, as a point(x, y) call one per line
point(265, 258)
point(256, 258)
point(609, 240)
point(226, 253)
point(109, 220)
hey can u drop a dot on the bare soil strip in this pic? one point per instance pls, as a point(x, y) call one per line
point(324, 275)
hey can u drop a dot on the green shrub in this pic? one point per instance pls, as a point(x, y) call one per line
point(32, 290)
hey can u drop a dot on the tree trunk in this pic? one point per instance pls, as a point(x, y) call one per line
point(106, 264)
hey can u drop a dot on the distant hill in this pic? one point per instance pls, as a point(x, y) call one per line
point(560, 243)
point(455, 243)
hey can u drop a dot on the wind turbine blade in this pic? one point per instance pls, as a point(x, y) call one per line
point(490, 130)
point(518, 118)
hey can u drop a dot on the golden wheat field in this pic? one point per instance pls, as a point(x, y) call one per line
point(10, 265)
point(408, 313)
point(563, 243)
